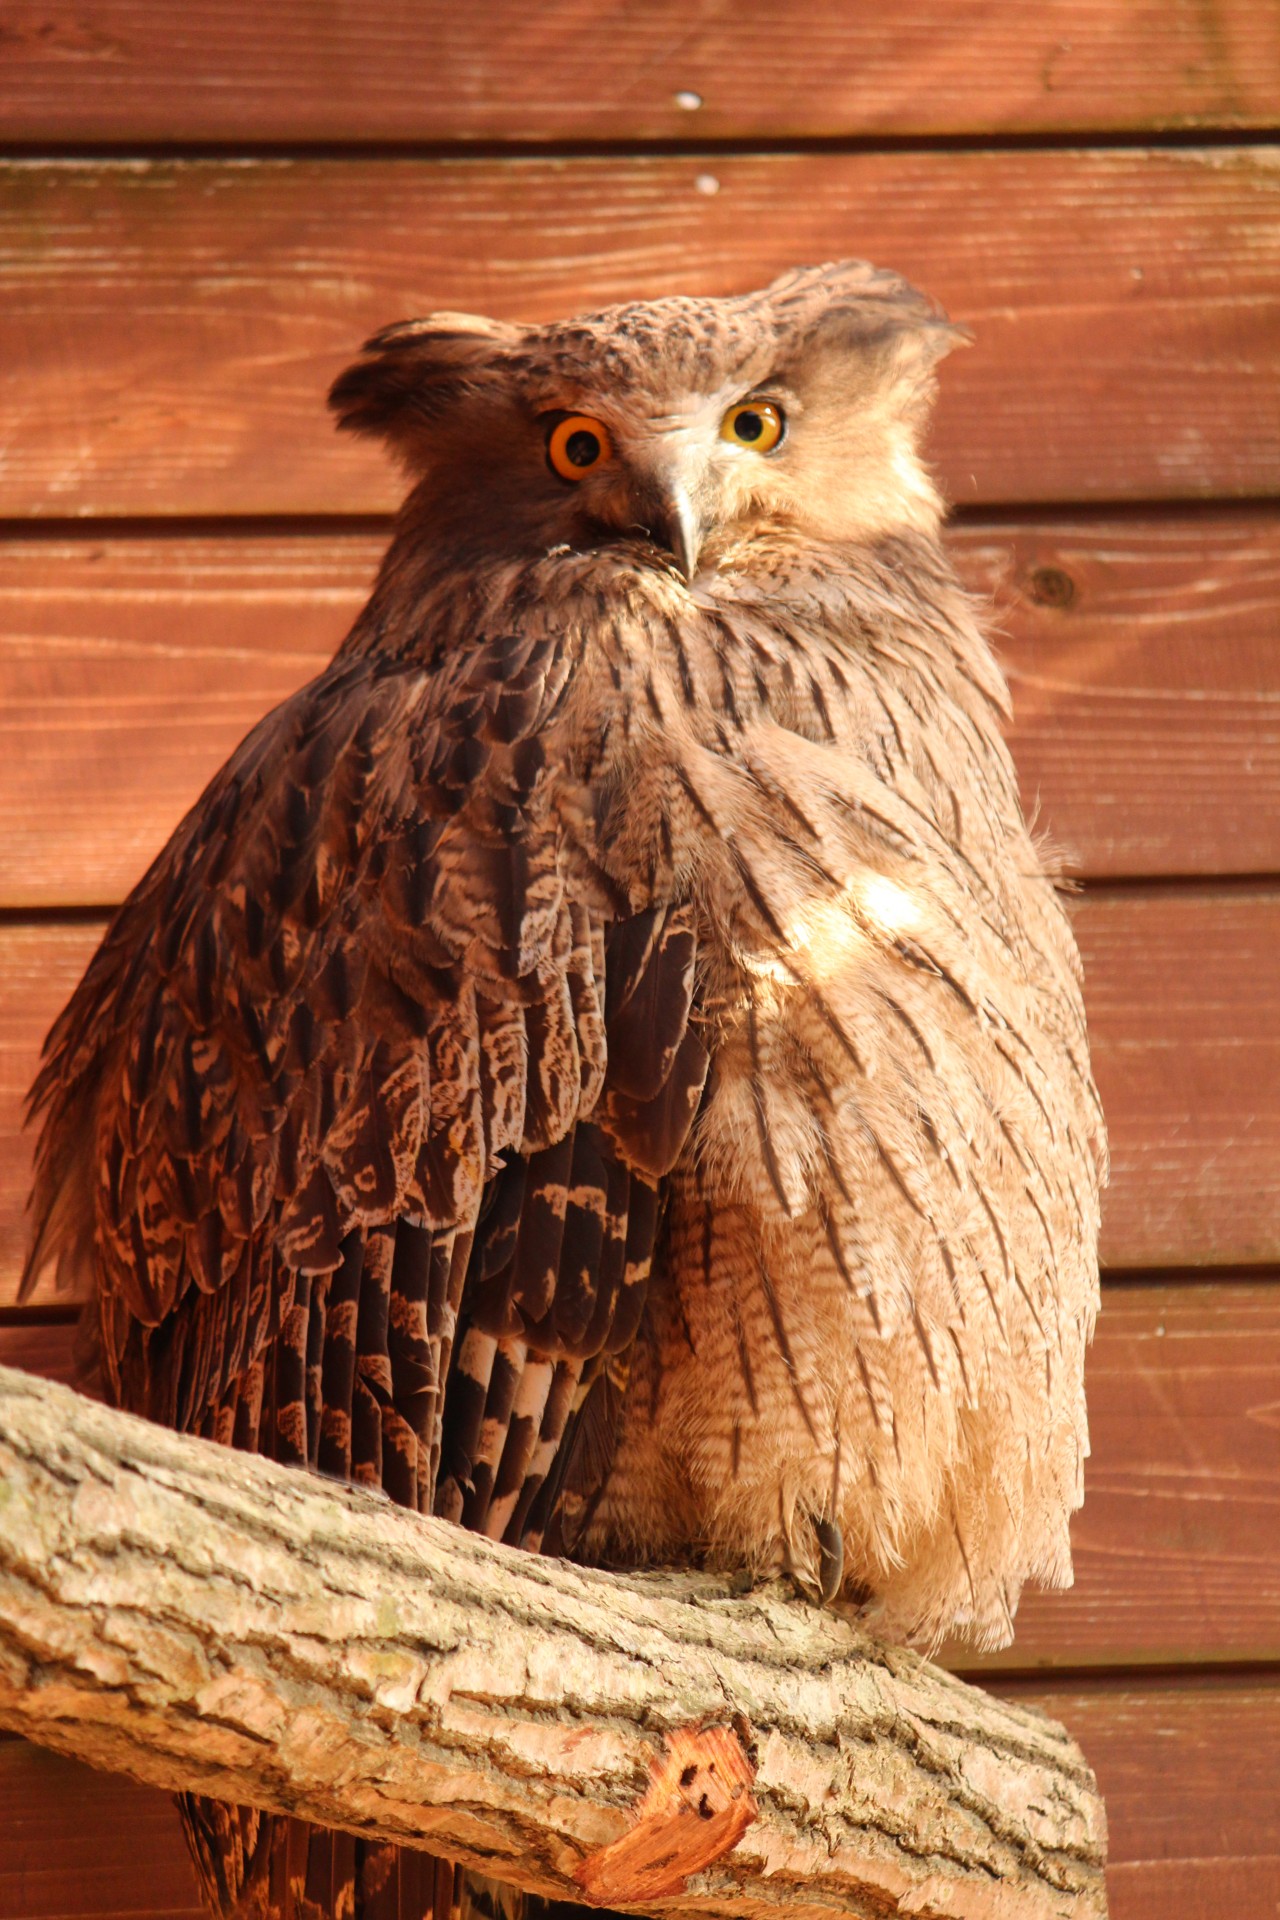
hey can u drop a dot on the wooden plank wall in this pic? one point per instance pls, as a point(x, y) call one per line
point(204, 209)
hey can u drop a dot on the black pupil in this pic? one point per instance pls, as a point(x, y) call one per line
point(748, 425)
point(582, 448)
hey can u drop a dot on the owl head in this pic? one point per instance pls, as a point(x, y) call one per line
point(670, 429)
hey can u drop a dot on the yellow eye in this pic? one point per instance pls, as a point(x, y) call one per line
point(757, 424)
point(578, 445)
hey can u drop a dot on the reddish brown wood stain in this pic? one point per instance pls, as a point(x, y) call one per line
point(167, 330)
point(413, 70)
point(78, 1845)
point(221, 298)
point(1145, 684)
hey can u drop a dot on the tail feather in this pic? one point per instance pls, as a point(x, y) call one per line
point(268, 1866)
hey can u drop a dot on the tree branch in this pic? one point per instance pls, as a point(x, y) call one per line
point(205, 1619)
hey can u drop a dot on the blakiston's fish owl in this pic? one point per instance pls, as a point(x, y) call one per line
point(605, 1061)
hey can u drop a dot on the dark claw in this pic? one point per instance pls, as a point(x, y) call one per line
point(831, 1559)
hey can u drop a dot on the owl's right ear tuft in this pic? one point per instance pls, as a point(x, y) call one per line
point(412, 373)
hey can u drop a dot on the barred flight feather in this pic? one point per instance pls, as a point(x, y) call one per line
point(605, 1062)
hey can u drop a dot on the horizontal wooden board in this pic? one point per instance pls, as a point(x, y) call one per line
point(39, 967)
point(1188, 1769)
point(129, 670)
point(1141, 653)
point(1183, 990)
point(1145, 675)
point(79, 1845)
point(168, 329)
point(1243, 1887)
point(39, 1344)
point(1188, 1775)
point(1183, 993)
point(1177, 1548)
point(127, 71)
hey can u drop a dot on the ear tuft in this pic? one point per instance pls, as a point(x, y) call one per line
point(851, 306)
point(412, 372)
point(919, 344)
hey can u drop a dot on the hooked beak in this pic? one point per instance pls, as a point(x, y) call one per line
point(673, 524)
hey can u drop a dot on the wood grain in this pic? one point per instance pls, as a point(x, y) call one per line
point(208, 1620)
point(129, 670)
point(1183, 993)
point(167, 332)
point(1177, 1549)
point(1141, 654)
point(39, 966)
point(39, 1344)
point(1142, 659)
point(168, 329)
point(79, 1845)
point(415, 70)
point(1245, 1886)
point(1187, 1769)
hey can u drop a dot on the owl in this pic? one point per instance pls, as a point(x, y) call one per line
point(605, 1062)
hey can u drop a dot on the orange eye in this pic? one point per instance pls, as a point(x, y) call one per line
point(757, 424)
point(578, 445)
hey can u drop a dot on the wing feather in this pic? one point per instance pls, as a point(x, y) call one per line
point(379, 1089)
point(355, 998)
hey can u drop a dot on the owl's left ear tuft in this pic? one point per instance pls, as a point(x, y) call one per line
point(411, 374)
point(849, 306)
point(916, 345)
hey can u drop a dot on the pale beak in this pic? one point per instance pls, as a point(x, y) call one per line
point(673, 524)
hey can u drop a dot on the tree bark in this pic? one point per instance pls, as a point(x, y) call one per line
point(208, 1620)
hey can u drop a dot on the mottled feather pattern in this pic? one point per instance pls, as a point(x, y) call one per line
point(900, 1150)
point(606, 1062)
point(312, 1117)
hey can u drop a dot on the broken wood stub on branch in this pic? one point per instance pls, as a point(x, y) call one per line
point(208, 1620)
point(697, 1807)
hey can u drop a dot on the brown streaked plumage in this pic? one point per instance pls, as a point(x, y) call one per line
point(606, 1062)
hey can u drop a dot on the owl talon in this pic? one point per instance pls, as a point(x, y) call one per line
point(830, 1559)
point(559, 926)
